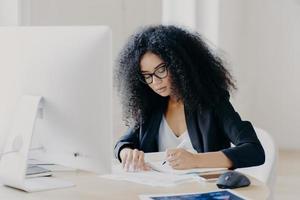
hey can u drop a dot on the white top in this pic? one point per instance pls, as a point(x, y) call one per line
point(167, 139)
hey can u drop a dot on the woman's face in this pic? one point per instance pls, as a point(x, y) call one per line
point(156, 74)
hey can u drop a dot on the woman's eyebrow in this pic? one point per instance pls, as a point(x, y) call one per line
point(159, 65)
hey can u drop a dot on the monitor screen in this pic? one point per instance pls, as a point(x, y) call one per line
point(70, 67)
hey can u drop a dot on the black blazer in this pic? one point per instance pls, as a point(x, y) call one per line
point(209, 130)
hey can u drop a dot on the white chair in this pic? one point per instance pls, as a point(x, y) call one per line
point(266, 172)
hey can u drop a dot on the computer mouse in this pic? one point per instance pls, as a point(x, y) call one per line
point(232, 179)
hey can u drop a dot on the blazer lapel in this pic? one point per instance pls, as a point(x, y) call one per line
point(149, 141)
point(194, 131)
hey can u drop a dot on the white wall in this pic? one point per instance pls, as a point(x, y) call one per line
point(123, 16)
point(261, 40)
point(195, 15)
point(207, 22)
point(9, 16)
point(9, 12)
point(179, 12)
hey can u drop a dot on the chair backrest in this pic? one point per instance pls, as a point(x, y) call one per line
point(266, 172)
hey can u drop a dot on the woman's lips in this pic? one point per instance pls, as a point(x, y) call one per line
point(160, 90)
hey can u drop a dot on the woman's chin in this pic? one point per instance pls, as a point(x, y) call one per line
point(163, 94)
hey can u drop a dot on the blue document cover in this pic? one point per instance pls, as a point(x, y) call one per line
point(217, 195)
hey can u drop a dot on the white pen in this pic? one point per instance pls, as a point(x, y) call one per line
point(179, 146)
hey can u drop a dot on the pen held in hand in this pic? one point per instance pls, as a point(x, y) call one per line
point(179, 146)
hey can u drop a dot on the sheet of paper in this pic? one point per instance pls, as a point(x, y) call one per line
point(155, 160)
point(161, 175)
point(166, 168)
point(151, 178)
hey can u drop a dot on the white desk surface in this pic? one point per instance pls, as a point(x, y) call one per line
point(90, 186)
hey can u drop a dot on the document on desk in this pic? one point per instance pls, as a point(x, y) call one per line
point(160, 175)
point(166, 168)
point(152, 178)
point(155, 161)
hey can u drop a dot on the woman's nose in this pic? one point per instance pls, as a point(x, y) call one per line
point(156, 80)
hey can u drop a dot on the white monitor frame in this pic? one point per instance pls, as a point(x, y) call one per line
point(71, 68)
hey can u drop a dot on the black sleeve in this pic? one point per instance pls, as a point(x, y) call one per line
point(248, 150)
point(129, 139)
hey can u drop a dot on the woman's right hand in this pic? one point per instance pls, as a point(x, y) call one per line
point(133, 160)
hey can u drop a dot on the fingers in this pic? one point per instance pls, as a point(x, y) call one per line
point(128, 160)
point(174, 157)
point(142, 165)
point(147, 167)
point(134, 160)
point(174, 162)
point(141, 162)
point(124, 155)
point(173, 154)
point(124, 158)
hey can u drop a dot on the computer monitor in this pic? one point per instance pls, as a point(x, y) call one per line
point(71, 68)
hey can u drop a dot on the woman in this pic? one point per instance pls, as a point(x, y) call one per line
point(175, 93)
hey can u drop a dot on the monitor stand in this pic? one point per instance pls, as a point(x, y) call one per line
point(13, 163)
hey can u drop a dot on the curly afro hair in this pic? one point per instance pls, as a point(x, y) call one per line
point(199, 77)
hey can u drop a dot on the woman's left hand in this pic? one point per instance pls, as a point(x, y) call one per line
point(181, 159)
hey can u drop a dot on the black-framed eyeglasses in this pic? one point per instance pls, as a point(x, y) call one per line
point(160, 72)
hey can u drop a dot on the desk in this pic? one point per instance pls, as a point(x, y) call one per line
point(90, 187)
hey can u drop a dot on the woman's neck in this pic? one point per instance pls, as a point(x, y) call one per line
point(174, 103)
